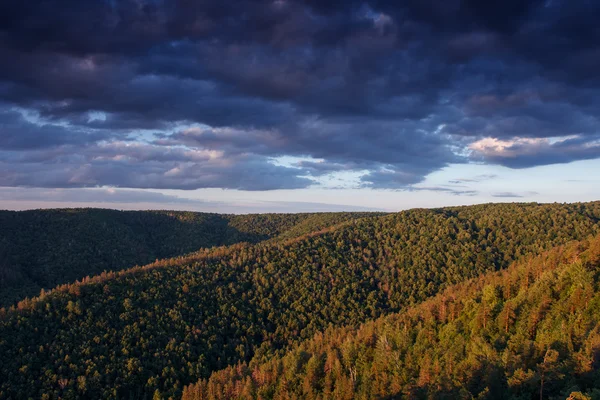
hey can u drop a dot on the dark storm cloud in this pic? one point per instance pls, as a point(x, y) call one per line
point(345, 145)
point(144, 166)
point(187, 94)
point(529, 112)
point(390, 179)
point(19, 134)
point(525, 153)
point(325, 168)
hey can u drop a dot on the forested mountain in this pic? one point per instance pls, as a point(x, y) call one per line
point(44, 248)
point(532, 331)
point(152, 330)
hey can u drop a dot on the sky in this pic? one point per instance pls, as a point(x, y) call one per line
point(298, 105)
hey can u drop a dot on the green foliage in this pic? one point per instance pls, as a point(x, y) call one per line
point(547, 346)
point(44, 248)
point(171, 323)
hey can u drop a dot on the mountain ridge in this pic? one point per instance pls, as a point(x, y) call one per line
point(418, 352)
point(258, 299)
point(41, 249)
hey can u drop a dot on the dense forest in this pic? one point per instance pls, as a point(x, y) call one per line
point(149, 331)
point(44, 248)
point(532, 331)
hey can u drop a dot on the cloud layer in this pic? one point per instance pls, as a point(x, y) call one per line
point(185, 95)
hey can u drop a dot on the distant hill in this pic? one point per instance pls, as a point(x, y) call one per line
point(151, 330)
point(44, 248)
point(532, 331)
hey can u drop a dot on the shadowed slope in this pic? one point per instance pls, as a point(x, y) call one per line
point(44, 248)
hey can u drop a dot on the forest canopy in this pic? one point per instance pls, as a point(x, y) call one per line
point(532, 331)
point(155, 329)
point(40, 249)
